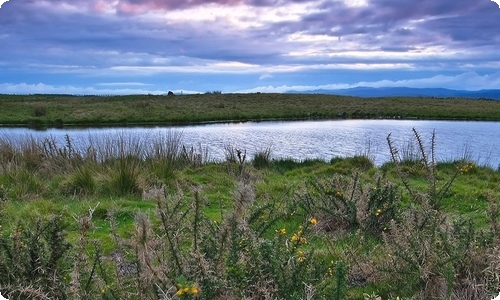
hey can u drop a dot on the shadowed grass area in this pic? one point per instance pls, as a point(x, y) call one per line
point(124, 220)
point(61, 110)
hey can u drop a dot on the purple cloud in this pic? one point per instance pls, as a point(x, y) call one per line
point(98, 38)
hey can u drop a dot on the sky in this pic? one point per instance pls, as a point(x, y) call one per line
point(104, 47)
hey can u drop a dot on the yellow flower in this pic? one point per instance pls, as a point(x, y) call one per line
point(179, 292)
point(300, 256)
point(467, 168)
point(295, 237)
point(313, 221)
point(194, 290)
point(281, 231)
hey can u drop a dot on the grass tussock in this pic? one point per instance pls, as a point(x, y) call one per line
point(161, 221)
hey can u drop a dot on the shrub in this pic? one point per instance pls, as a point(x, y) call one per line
point(429, 255)
point(426, 254)
point(435, 193)
point(347, 203)
point(335, 199)
point(33, 260)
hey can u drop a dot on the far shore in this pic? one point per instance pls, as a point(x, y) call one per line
point(56, 111)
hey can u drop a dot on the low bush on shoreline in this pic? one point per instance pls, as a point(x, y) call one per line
point(126, 220)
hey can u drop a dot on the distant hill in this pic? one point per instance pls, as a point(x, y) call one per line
point(408, 92)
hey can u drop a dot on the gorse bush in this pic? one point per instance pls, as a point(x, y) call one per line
point(34, 260)
point(383, 207)
point(426, 162)
point(189, 255)
point(347, 203)
point(429, 254)
point(425, 253)
point(336, 199)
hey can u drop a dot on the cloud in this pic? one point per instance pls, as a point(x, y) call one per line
point(476, 82)
point(123, 84)
point(40, 88)
point(1, 3)
point(265, 76)
point(128, 40)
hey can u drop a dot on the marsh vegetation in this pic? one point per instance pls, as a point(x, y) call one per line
point(122, 219)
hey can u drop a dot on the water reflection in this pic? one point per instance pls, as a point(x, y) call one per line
point(299, 140)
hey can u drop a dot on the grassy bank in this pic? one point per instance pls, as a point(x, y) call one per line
point(46, 110)
point(125, 220)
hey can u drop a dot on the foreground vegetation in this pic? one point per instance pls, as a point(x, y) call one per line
point(125, 220)
point(61, 110)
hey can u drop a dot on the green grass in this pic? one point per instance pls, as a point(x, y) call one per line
point(280, 229)
point(59, 110)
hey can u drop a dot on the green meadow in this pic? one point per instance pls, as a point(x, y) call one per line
point(125, 220)
point(61, 110)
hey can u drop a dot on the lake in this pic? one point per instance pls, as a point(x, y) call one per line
point(477, 141)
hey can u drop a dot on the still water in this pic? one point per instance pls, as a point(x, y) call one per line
point(477, 141)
